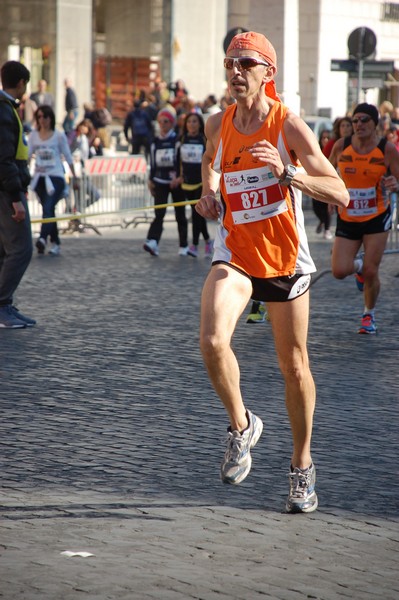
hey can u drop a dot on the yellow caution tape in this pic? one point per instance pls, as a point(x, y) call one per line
point(75, 216)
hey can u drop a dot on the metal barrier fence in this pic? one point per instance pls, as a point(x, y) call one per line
point(393, 240)
point(112, 192)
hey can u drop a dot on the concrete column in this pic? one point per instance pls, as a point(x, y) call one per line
point(290, 58)
point(73, 51)
point(278, 21)
point(198, 32)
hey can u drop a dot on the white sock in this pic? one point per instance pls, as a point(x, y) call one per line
point(358, 264)
point(369, 311)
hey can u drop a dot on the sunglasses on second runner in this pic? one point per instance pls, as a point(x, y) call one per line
point(361, 119)
point(243, 63)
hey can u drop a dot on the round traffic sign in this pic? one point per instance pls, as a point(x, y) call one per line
point(229, 36)
point(362, 43)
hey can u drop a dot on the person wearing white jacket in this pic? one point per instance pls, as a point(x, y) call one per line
point(49, 148)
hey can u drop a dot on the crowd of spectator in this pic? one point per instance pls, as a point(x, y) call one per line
point(140, 125)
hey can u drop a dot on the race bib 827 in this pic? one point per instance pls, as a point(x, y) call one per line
point(254, 195)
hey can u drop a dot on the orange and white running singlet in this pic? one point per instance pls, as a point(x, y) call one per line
point(362, 174)
point(262, 226)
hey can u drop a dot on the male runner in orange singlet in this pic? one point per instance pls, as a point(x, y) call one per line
point(369, 167)
point(263, 156)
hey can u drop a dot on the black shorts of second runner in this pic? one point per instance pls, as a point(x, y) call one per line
point(356, 230)
point(274, 289)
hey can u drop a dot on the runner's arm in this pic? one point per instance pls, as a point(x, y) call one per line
point(321, 180)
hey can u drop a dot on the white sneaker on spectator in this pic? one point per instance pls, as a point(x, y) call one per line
point(183, 251)
point(151, 246)
point(55, 250)
point(41, 245)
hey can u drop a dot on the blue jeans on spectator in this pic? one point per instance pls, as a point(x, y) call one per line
point(49, 202)
point(69, 121)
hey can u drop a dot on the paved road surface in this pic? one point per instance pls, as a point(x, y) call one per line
point(111, 439)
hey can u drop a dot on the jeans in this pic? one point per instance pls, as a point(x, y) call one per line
point(15, 249)
point(69, 121)
point(49, 202)
point(162, 192)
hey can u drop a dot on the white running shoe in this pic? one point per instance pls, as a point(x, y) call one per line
point(151, 246)
point(237, 459)
point(302, 496)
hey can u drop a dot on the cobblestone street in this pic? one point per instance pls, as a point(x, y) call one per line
point(112, 437)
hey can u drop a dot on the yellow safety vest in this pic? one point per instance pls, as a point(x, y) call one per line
point(22, 148)
point(22, 152)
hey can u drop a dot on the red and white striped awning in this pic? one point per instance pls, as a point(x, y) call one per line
point(107, 165)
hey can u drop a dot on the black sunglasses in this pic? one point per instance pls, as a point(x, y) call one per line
point(243, 63)
point(361, 119)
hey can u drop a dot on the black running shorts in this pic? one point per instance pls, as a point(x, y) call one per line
point(275, 289)
point(355, 231)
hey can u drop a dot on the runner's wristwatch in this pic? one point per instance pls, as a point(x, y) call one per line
point(288, 175)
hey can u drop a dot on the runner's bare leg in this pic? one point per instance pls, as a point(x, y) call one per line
point(290, 327)
point(224, 297)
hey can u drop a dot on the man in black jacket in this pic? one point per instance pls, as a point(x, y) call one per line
point(15, 226)
point(71, 107)
point(138, 123)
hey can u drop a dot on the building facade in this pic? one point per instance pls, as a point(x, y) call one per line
point(111, 50)
point(54, 39)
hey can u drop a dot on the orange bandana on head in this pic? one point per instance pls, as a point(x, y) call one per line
point(250, 40)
